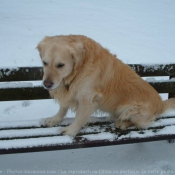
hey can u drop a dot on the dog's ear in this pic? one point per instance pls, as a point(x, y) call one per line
point(76, 51)
point(41, 46)
point(39, 49)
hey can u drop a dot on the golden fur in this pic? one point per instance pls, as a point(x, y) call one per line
point(82, 75)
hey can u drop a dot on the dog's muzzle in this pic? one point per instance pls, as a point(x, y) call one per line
point(48, 84)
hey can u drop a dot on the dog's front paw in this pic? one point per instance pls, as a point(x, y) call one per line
point(70, 130)
point(49, 122)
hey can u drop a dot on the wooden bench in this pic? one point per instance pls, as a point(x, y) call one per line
point(31, 136)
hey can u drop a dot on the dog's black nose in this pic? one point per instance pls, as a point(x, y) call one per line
point(48, 84)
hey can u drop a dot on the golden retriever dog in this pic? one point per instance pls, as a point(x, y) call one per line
point(82, 75)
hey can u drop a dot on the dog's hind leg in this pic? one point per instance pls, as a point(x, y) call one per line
point(123, 124)
point(137, 115)
point(143, 121)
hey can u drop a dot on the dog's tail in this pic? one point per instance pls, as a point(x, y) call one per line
point(168, 104)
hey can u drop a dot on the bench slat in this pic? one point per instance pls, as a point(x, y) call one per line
point(38, 92)
point(21, 74)
point(149, 70)
point(14, 134)
point(85, 144)
point(36, 73)
point(26, 93)
point(98, 133)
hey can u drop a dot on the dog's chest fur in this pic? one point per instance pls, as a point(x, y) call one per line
point(66, 96)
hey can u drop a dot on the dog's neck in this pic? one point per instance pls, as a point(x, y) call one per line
point(68, 80)
point(67, 86)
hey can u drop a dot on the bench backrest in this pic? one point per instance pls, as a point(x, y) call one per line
point(15, 83)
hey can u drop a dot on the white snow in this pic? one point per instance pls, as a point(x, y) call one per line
point(133, 134)
point(32, 142)
point(100, 136)
point(137, 31)
point(15, 85)
point(161, 122)
point(22, 123)
point(153, 80)
point(150, 79)
point(29, 132)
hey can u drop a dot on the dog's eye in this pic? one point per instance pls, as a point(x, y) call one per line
point(45, 64)
point(60, 65)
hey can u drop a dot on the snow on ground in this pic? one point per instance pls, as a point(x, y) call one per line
point(137, 31)
point(142, 158)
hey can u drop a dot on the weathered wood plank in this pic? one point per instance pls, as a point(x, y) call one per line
point(35, 73)
point(38, 92)
point(26, 93)
point(164, 87)
point(146, 70)
point(21, 74)
point(85, 144)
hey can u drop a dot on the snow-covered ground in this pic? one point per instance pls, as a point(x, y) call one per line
point(137, 31)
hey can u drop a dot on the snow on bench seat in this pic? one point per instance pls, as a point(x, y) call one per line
point(31, 136)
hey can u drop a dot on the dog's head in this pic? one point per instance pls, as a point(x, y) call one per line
point(60, 58)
